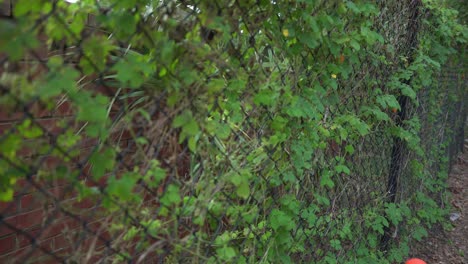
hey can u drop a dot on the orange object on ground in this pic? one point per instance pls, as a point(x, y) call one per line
point(415, 261)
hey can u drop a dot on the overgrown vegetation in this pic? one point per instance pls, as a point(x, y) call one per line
point(263, 131)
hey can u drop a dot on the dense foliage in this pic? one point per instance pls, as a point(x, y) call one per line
point(266, 131)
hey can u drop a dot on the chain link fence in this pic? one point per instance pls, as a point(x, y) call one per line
point(219, 131)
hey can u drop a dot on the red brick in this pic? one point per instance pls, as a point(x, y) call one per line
point(63, 108)
point(92, 242)
point(25, 240)
point(48, 259)
point(57, 182)
point(32, 70)
point(61, 243)
point(9, 115)
point(123, 144)
point(37, 256)
point(121, 135)
point(8, 259)
point(31, 201)
point(102, 182)
point(64, 252)
point(47, 244)
point(29, 251)
point(96, 227)
point(84, 204)
point(29, 219)
point(51, 161)
point(6, 230)
point(7, 244)
point(104, 90)
point(22, 187)
point(38, 110)
point(97, 258)
point(51, 125)
point(26, 150)
point(85, 153)
point(89, 142)
point(60, 191)
point(5, 128)
point(54, 229)
point(70, 224)
point(7, 209)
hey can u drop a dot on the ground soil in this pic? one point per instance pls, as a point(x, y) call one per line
point(450, 246)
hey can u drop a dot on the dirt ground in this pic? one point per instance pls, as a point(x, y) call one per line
point(451, 247)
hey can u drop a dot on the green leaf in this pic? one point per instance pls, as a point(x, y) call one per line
point(388, 101)
point(342, 168)
point(23, 7)
point(96, 50)
point(102, 162)
point(134, 69)
point(10, 145)
point(279, 219)
point(243, 190)
point(29, 131)
point(122, 188)
point(264, 97)
point(408, 91)
point(92, 109)
point(336, 244)
point(6, 195)
point(353, 7)
point(226, 253)
point(309, 39)
point(171, 195)
point(393, 213)
point(191, 128)
point(182, 119)
point(222, 131)
point(236, 85)
point(325, 179)
point(215, 86)
point(59, 79)
point(355, 45)
point(153, 227)
point(192, 144)
point(155, 174)
point(419, 233)
point(15, 40)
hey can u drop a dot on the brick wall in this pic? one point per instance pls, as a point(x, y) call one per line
point(34, 227)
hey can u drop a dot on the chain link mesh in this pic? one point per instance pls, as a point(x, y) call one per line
point(170, 139)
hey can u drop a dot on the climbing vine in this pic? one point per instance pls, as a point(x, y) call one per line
point(261, 130)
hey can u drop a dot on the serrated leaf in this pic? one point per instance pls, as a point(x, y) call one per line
point(243, 190)
point(134, 69)
point(122, 188)
point(58, 80)
point(325, 179)
point(309, 39)
point(171, 195)
point(408, 91)
point(279, 219)
point(101, 162)
point(355, 45)
point(215, 85)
